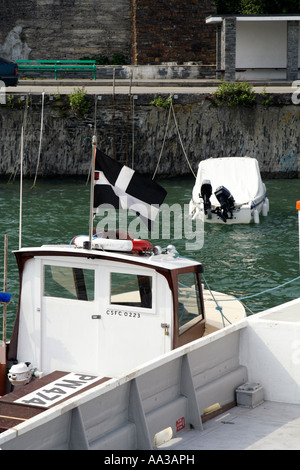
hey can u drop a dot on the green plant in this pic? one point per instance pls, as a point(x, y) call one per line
point(255, 7)
point(252, 7)
point(160, 102)
point(118, 59)
point(266, 98)
point(234, 94)
point(10, 101)
point(100, 60)
point(78, 101)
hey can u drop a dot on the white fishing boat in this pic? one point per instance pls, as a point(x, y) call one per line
point(229, 190)
point(91, 310)
point(236, 388)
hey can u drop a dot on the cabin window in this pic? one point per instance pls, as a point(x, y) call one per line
point(189, 305)
point(69, 282)
point(131, 290)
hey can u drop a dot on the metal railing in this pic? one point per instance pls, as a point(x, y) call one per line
point(57, 66)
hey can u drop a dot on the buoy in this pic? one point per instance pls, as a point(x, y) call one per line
point(109, 244)
point(5, 298)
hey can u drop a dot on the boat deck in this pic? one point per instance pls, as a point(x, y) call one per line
point(232, 310)
point(269, 426)
point(40, 395)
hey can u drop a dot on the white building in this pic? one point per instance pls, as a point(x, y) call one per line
point(257, 46)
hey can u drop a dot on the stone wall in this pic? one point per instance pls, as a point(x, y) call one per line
point(145, 32)
point(132, 131)
point(64, 29)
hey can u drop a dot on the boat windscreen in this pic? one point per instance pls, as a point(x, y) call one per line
point(189, 304)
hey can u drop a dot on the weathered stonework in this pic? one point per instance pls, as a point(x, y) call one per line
point(292, 52)
point(134, 135)
point(66, 29)
point(228, 48)
point(145, 32)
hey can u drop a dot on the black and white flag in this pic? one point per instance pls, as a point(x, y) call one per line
point(121, 187)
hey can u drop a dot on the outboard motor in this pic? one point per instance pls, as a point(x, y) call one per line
point(227, 203)
point(206, 192)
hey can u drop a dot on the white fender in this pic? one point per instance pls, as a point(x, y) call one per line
point(256, 216)
point(265, 207)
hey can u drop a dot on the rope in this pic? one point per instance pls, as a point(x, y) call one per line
point(132, 124)
point(263, 292)
point(14, 174)
point(181, 140)
point(167, 126)
point(218, 307)
point(178, 132)
point(40, 145)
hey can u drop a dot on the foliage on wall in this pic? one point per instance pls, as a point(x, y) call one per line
point(257, 7)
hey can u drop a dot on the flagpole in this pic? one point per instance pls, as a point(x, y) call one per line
point(21, 189)
point(94, 147)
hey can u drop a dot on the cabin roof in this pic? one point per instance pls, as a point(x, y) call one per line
point(166, 261)
point(217, 18)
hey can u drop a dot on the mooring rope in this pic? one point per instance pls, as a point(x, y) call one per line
point(181, 140)
point(218, 307)
point(159, 158)
point(263, 292)
point(14, 174)
point(40, 144)
point(171, 109)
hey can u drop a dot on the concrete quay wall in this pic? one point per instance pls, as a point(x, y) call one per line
point(136, 133)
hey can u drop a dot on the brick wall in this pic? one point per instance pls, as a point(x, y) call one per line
point(173, 31)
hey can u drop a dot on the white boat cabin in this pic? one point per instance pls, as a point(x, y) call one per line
point(102, 312)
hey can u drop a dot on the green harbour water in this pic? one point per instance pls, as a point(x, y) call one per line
point(244, 260)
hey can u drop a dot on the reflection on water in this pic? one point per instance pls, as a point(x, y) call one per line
point(241, 260)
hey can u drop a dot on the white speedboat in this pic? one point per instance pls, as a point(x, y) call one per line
point(229, 190)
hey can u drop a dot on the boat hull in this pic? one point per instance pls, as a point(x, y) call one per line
point(246, 214)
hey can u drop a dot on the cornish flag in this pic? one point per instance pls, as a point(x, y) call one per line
point(119, 186)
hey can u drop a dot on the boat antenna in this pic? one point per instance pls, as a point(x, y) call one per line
point(94, 148)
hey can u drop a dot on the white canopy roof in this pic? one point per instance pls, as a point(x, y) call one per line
point(219, 18)
point(240, 175)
